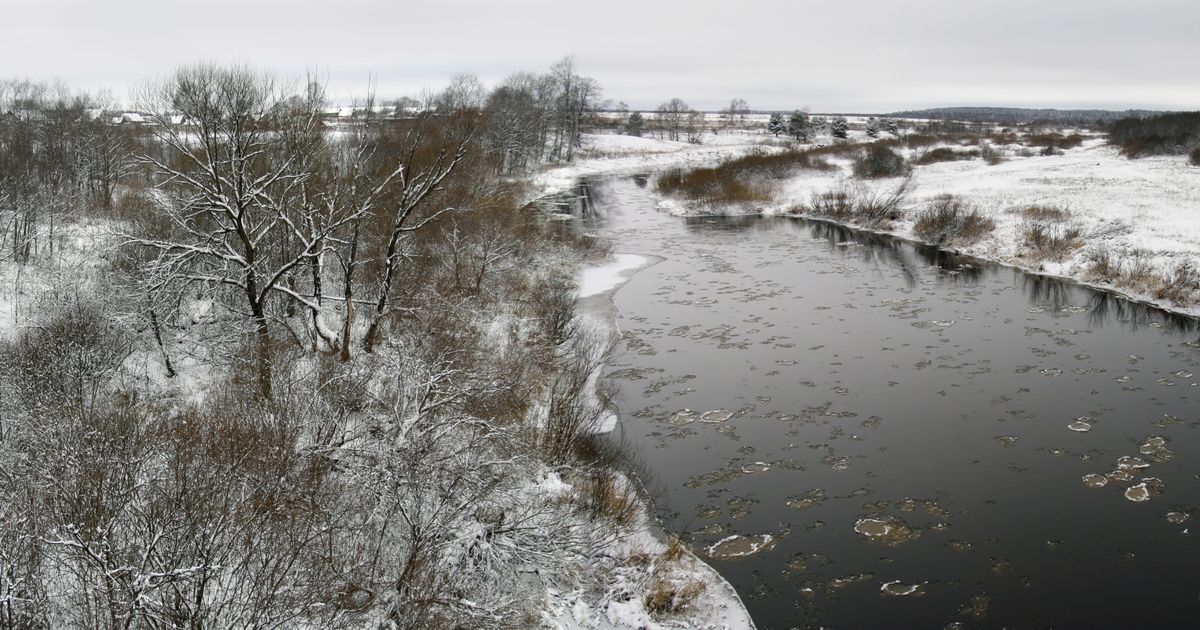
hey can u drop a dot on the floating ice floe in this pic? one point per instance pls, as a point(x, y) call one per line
point(895, 588)
point(1129, 462)
point(1082, 424)
point(736, 546)
point(1137, 493)
point(1095, 481)
point(889, 532)
point(1155, 447)
point(756, 467)
point(806, 499)
point(1149, 487)
point(1177, 518)
point(682, 417)
point(716, 416)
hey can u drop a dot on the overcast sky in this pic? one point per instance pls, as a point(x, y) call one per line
point(864, 56)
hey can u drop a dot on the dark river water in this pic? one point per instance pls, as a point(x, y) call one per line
point(908, 435)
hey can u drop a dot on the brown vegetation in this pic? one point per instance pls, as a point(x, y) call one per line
point(668, 596)
point(945, 154)
point(1045, 213)
point(879, 160)
point(743, 180)
point(856, 204)
point(1051, 242)
point(948, 220)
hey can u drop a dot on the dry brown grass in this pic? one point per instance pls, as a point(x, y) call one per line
point(1133, 270)
point(945, 154)
point(602, 495)
point(1180, 286)
point(747, 179)
point(1103, 266)
point(1051, 242)
point(675, 549)
point(879, 160)
point(1053, 141)
point(856, 204)
point(672, 596)
point(1045, 213)
point(948, 220)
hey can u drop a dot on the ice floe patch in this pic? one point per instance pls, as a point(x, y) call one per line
point(896, 588)
point(806, 499)
point(737, 546)
point(716, 416)
point(1082, 424)
point(891, 531)
point(1144, 491)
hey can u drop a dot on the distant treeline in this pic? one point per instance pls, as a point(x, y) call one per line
point(1163, 134)
point(1020, 115)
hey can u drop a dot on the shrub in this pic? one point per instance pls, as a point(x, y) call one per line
point(991, 154)
point(856, 204)
point(1194, 158)
point(945, 154)
point(744, 180)
point(879, 160)
point(950, 220)
point(604, 496)
point(1047, 242)
point(1045, 213)
point(1102, 266)
point(671, 596)
point(67, 359)
point(675, 549)
point(1180, 286)
point(1053, 143)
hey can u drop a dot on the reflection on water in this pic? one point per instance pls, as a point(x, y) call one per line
point(860, 429)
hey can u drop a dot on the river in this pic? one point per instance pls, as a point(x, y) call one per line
point(913, 439)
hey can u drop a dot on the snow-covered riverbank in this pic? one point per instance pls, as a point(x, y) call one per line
point(1144, 214)
point(715, 604)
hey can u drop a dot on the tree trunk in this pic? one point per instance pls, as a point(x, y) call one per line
point(263, 332)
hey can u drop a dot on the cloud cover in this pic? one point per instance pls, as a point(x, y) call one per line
point(868, 56)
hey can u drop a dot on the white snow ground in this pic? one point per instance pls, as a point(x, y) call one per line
point(609, 275)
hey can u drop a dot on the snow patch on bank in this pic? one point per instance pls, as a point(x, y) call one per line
point(606, 277)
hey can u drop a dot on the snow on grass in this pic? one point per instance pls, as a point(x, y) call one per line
point(604, 154)
point(643, 558)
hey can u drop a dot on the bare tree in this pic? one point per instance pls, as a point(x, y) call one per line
point(231, 184)
point(670, 117)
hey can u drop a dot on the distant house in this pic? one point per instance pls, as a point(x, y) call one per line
point(131, 118)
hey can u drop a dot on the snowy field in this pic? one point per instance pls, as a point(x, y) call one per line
point(1147, 208)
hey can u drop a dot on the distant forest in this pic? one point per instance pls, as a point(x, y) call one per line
point(1020, 115)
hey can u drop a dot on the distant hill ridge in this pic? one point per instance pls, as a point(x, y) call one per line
point(1016, 115)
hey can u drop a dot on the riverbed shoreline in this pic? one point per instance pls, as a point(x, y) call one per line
point(719, 606)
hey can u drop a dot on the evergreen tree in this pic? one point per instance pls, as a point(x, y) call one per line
point(797, 126)
point(818, 125)
point(873, 127)
point(633, 124)
point(776, 124)
point(891, 126)
point(839, 127)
